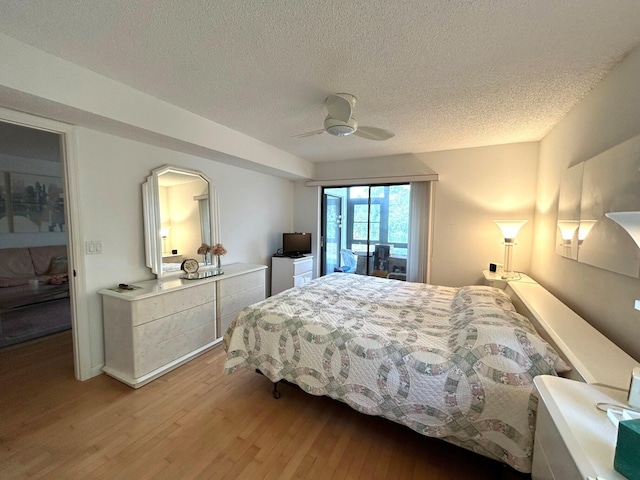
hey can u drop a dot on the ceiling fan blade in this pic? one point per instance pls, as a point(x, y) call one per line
point(309, 134)
point(373, 133)
point(340, 106)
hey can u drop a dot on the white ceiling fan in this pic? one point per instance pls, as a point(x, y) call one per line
point(341, 122)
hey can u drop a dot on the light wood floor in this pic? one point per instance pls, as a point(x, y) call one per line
point(196, 423)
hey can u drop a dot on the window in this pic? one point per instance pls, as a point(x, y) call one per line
point(380, 215)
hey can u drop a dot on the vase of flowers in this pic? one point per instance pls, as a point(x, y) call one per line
point(217, 251)
point(205, 251)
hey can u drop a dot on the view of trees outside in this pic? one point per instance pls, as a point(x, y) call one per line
point(388, 220)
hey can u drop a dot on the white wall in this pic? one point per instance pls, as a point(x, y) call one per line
point(254, 211)
point(609, 115)
point(306, 217)
point(475, 187)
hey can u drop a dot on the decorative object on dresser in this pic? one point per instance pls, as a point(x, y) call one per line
point(163, 323)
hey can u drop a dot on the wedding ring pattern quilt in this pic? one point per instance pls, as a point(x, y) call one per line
point(452, 363)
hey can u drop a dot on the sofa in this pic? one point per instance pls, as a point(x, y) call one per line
point(45, 266)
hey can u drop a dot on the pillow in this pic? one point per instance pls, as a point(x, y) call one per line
point(490, 314)
point(476, 295)
point(58, 266)
point(490, 325)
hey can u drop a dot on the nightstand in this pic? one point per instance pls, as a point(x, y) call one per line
point(494, 279)
point(573, 439)
point(287, 272)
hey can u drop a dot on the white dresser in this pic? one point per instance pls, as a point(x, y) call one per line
point(166, 322)
point(289, 272)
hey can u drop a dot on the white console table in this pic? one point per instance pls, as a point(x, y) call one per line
point(166, 322)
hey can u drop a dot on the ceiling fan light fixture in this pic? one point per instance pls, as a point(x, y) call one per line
point(339, 128)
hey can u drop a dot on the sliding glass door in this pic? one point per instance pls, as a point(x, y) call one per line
point(332, 214)
point(374, 234)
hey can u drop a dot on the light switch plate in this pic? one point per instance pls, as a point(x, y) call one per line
point(634, 389)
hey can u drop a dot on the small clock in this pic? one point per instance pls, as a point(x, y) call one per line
point(190, 265)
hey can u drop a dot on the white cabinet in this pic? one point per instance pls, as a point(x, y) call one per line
point(289, 272)
point(163, 323)
point(574, 439)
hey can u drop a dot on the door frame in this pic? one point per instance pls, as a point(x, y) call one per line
point(323, 229)
point(77, 292)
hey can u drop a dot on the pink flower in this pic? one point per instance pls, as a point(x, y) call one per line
point(218, 249)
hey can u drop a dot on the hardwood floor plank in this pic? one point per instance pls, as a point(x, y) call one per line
point(197, 423)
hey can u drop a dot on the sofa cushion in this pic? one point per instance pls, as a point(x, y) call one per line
point(58, 266)
point(15, 267)
point(41, 257)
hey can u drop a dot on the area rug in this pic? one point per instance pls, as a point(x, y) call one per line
point(34, 321)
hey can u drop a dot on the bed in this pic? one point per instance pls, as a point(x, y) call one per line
point(452, 363)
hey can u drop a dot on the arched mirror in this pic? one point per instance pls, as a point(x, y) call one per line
point(180, 213)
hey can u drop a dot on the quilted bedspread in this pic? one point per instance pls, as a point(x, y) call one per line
point(452, 363)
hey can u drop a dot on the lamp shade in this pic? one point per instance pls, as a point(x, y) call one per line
point(630, 221)
point(568, 228)
point(585, 228)
point(510, 228)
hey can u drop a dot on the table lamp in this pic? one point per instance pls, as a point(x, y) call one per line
point(510, 229)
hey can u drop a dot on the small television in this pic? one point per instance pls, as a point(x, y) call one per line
point(296, 244)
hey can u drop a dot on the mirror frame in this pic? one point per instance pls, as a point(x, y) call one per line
point(153, 222)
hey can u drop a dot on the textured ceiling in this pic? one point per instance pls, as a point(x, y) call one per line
point(441, 74)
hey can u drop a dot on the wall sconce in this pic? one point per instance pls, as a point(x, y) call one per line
point(510, 229)
point(584, 229)
point(567, 230)
point(630, 221)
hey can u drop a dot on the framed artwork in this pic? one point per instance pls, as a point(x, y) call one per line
point(36, 203)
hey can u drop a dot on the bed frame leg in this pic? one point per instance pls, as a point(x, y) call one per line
point(276, 392)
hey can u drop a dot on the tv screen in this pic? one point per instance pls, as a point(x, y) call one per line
point(296, 244)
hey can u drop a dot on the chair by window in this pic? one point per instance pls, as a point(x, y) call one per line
point(348, 261)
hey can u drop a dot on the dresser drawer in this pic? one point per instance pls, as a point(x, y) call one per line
point(236, 302)
point(153, 333)
point(160, 355)
point(299, 280)
point(233, 285)
point(302, 266)
point(151, 308)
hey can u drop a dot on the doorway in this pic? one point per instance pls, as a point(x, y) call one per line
point(67, 235)
point(34, 286)
point(365, 230)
